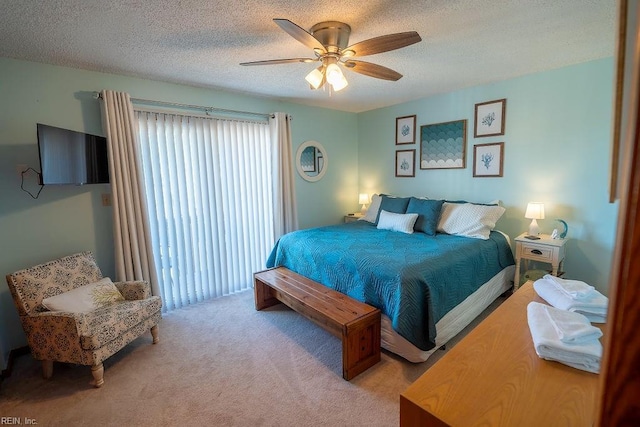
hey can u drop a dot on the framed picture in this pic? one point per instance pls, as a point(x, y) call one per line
point(406, 130)
point(488, 159)
point(443, 145)
point(405, 163)
point(490, 118)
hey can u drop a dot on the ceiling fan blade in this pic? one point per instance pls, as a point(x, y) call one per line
point(373, 70)
point(383, 43)
point(279, 61)
point(300, 34)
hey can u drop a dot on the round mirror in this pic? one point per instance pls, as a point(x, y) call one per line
point(311, 160)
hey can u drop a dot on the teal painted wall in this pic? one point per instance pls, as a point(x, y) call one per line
point(68, 219)
point(557, 138)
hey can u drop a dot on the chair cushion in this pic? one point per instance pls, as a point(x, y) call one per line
point(105, 324)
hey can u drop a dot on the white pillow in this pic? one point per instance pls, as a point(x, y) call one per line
point(85, 298)
point(374, 207)
point(397, 222)
point(468, 219)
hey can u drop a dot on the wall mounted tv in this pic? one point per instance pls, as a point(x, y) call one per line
point(70, 157)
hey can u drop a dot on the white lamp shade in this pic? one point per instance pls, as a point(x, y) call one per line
point(535, 210)
point(334, 74)
point(335, 77)
point(341, 84)
point(315, 78)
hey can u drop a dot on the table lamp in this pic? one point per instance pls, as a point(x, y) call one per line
point(363, 199)
point(535, 210)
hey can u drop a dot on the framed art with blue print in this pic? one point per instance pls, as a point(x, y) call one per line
point(405, 163)
point(443, 145)
point(488, 159)
point(490, 118)
point(406, 130)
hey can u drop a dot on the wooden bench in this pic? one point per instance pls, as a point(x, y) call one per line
point(356, 323)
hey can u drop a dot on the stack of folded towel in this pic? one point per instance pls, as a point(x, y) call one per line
point(564, 336)
point(573, 295)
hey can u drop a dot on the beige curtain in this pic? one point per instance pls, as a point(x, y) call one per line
point(133, 249)
point(285, 213)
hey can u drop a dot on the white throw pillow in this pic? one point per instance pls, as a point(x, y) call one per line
point(85, 298)
point(468, 219)
point(374, 207)
point(397, 222)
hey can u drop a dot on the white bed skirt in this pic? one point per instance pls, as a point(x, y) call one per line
point(453, 322)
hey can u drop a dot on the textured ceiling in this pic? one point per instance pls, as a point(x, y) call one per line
point(201, 42)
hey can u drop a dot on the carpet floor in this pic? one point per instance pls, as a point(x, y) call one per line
point(218, 363)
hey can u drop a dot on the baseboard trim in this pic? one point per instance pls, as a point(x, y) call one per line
point(16, 352)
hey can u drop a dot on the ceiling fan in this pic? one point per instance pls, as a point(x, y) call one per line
point(330, 43)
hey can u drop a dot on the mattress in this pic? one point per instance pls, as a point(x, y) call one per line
point(451, 323)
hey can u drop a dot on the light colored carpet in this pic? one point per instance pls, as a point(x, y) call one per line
point(218, 363)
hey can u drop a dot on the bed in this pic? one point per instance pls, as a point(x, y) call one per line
point(428, 287)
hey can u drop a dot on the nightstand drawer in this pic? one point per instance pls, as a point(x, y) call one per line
point(536, 252)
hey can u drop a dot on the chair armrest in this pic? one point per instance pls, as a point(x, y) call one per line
point(66, 322)
point(134, 290)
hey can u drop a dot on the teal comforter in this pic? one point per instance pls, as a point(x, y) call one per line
point(414, 279)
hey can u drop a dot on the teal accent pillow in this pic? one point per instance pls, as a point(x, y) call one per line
point(428, 214)
point(393, 205)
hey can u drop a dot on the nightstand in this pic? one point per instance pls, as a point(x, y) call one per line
point(353, 217)
point(545, 249)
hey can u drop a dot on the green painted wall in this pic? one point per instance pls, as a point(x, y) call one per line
point(557, 137)
point(68, 219)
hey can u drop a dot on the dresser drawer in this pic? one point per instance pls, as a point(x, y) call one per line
point(538, 252)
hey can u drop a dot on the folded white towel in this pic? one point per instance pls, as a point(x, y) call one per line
point(594, 307)
point(571, 327)
point(575, 289)
point(585, 356)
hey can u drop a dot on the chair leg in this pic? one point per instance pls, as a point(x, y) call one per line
point(154, 334)
point(98, 375)
point(47, 368)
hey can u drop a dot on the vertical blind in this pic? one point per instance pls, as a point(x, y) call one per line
point(208, 185)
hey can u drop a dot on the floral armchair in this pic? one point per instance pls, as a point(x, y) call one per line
point(85, 338)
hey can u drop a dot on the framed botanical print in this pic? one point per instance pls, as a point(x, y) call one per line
point(490, 118)
point(488, 159)
point(406, 130)
point(405, 163)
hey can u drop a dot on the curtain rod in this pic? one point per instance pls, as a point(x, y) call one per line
point(207, 110)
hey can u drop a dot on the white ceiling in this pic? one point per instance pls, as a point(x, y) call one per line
point(201, 42)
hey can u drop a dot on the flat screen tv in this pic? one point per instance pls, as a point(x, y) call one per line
point(70, 157)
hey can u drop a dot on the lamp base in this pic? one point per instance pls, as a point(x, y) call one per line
point(534, 230)
point(363, 210)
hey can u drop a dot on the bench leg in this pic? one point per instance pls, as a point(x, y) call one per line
point(361, 346)
point(263, 296)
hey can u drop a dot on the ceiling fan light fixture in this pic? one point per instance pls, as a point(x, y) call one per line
point(334, 74)
point(340, 84)
point(335, 77)
point(315, 78)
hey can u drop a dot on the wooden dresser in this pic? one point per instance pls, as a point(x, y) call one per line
point(493, 377)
